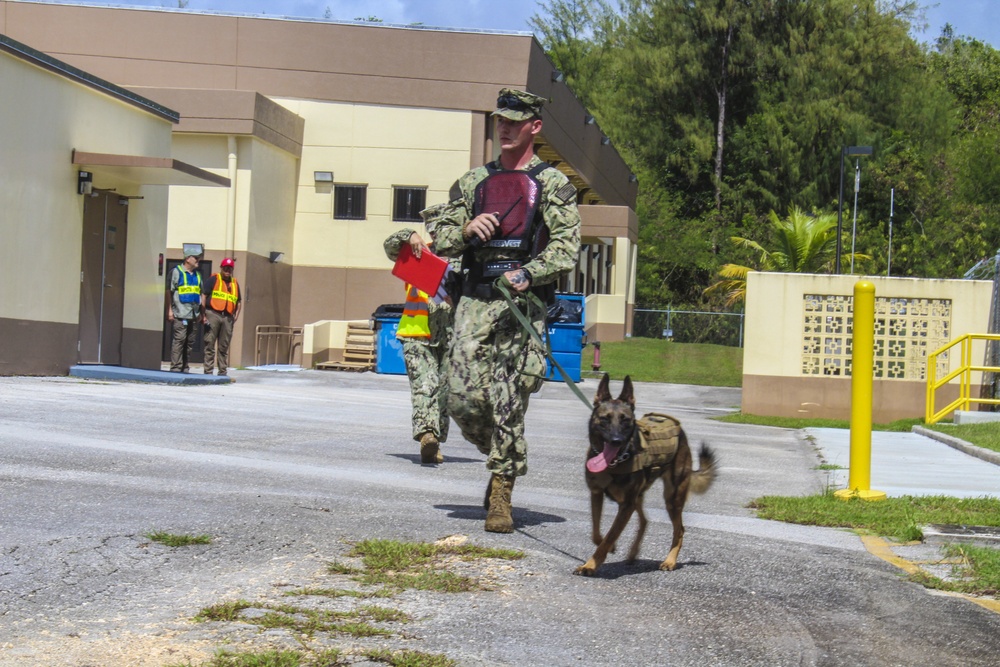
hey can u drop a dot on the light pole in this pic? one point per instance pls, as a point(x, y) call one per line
point(844, 152)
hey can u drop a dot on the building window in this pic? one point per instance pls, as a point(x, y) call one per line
point(349, 202)
point(407, 203)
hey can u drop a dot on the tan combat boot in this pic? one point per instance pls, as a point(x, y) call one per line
point(430, 449)
point(498, 518)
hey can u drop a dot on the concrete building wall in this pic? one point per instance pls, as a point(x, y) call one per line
point(797, 342)
point(44, 117)
point(376, 105)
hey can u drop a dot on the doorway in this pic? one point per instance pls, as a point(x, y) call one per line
point(102, 278)
point(198, 354)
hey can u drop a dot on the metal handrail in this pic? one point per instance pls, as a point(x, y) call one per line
point(965, 370)
point(279, 341)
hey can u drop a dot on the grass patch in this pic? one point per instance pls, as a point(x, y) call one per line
point(900, 425)
point(985, 435)
point(305, 621)
point(419, 565)
point(977, 573)
point(898, 518)
point(172, 540)
point(339, 593)
point(326, 658)
point(409, 658)
point(653, 360)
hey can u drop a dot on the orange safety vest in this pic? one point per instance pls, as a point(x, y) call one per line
point(414, 323)
point(224, 300)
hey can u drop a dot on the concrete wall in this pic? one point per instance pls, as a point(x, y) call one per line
point(797, 326)
point(43, 118)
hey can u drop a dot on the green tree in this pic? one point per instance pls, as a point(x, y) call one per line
point(800, 243)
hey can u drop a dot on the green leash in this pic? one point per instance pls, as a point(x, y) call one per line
point(532, 302)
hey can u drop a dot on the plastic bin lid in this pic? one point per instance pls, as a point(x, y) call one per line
point(389, 310)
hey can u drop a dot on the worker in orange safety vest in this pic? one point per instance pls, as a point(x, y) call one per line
point(222, 308)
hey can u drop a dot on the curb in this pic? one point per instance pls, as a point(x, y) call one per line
point(980, 453)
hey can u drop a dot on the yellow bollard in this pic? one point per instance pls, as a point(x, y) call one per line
point(862, 371)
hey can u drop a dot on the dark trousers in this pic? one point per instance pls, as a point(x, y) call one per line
point(218, 332)
point(183, 344)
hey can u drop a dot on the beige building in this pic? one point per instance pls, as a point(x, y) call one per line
point(333, 136)
point(84, 172)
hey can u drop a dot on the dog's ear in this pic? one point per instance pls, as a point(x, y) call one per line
point(603, 393)
point(627, 396)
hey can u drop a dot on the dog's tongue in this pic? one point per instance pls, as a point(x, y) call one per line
point(600, 462)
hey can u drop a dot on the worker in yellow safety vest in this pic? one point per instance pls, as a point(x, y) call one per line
point(184, 312)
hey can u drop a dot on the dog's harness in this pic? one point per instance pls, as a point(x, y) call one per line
point(659, 435)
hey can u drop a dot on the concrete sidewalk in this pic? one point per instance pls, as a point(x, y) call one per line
point(911, 464)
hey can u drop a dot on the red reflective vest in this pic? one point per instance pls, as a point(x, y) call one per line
point(224, 299)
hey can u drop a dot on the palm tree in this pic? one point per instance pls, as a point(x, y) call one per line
point(804, 244)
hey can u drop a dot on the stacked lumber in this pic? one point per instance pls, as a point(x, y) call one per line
point(359, 349)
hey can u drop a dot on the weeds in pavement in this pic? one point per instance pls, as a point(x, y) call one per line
point(420, 566)
point(172, 540)
point(306, 621)
point(327, 658)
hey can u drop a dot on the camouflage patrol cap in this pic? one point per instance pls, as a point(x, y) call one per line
point(518, 105)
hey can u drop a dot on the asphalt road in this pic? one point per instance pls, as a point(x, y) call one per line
point(285, 470)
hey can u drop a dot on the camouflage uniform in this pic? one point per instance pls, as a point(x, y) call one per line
point(492, 372)
point(427, 361)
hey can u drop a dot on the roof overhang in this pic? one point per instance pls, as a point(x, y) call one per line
point(143, 170)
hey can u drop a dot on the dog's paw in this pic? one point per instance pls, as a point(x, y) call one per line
point(668, 565)
point(588, 569)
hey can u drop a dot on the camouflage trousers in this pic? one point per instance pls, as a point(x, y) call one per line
point(494, 369)
point(426, 366)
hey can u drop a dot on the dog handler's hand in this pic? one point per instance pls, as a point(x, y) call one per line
point(417, 244)
point(519, 279)
point(482, 226)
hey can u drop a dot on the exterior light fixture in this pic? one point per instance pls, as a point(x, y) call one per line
point(605, 140)
point(589, 120)
point(276, 256)
point(323, 176)
point(557, 76)
point(84, 182)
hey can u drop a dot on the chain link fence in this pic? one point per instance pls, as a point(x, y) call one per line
point(689, 326)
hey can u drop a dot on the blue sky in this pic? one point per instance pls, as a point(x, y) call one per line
point(973, 18)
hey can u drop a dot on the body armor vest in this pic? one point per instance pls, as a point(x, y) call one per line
point(515, 198)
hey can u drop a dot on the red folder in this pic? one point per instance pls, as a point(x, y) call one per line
point(424, 273)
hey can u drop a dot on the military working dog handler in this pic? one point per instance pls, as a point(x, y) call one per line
point(517, 218)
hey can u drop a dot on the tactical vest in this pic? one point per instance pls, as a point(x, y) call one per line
point(515, 197)
point(659, 435)
point(224, 300)
point(188, 286)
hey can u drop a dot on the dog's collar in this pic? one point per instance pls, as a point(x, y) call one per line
point(624, 454)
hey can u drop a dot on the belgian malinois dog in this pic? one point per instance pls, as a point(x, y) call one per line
point(622, 464)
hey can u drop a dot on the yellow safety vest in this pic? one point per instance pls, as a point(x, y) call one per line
point(414, 323)
point(189, 287)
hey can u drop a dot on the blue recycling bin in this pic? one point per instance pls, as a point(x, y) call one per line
point(388, 349)
point(564, 330)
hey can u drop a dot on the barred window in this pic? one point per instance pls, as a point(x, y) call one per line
point(407, 202)
point(349, 202)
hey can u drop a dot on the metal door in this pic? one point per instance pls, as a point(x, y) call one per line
point(102, 278)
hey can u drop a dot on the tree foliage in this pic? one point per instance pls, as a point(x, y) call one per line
point(728, 110)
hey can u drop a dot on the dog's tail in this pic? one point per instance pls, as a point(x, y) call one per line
point(707, 471)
